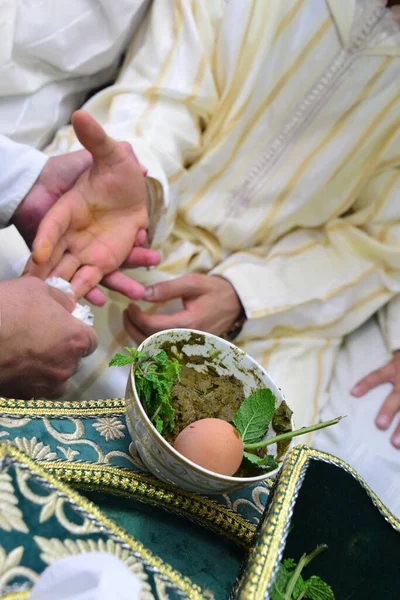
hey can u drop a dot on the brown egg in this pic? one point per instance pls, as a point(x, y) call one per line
point(213, 444)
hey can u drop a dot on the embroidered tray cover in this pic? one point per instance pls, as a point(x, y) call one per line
point(50, 449)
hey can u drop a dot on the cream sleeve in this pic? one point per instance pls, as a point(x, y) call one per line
point(389, 319)
point(163, 97)
point(326, 282)
point(21, 165)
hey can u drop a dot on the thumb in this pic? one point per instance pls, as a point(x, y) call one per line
point(182, 287)
point(93, 137)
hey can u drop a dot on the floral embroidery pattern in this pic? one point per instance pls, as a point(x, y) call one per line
point(35, 449)
point(53, 549)
point(10, 515)
point(10, 567)
point(111, 428)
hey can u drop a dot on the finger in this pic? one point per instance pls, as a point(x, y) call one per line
point(96, 297)
point(67, 267)
point(182, 287)
point(142, 257)
point(92, 341)
point(85, 279)
point(395, 439)
point(44, 269)
point(150, 324)
point(383, 375)
point(388, 410)
point(66, 300)
point(93, 137)
point(133, 332)
point(50, 232)
point(118, 282)
point(141, 238)
point(128, 148)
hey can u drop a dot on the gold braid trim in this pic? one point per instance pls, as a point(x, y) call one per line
point(184, 584)
point(16, 596)
point(145, 488)
point(54, 408)
point(270, 542)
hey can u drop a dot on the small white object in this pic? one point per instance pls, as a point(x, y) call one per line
point(81, 311)
point(91, 576)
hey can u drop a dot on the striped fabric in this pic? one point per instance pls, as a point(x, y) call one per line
point(270, 131)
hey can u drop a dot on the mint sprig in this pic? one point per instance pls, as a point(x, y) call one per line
point(154, 379)
point(254, 415)
point(290, 585)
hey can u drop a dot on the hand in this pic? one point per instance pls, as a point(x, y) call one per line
point(390, 373)
point(58, 176)
point(210, 304)
point(41, 344)
point(90, 231)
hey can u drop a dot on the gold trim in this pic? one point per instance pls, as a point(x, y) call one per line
point(184, 584)
point(17, 596)
point(145, 488)
point(266, 554)
point(52, 409)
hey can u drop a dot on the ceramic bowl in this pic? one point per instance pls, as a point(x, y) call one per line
point(157, 454)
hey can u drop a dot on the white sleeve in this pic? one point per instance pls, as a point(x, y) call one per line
point(20, 166)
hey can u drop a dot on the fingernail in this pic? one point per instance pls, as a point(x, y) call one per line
point(396, 440)
point(356, 390)
point(383, 421)
point(149, 292)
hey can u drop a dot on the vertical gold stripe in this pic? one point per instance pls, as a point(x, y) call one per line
point(373, 125)
point(382, 199)
point(266, 356)
point(334, 130)
point(198, 79)
point(318, 386)
point(152, 92)
point(222, 125)
point(259, 113)
point(287, 19)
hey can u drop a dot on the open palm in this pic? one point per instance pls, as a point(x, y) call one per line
point(91, 230)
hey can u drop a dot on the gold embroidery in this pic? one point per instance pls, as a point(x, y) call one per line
point(271, 540)
point(147, 489)
point(57, 408)
point(181, 582)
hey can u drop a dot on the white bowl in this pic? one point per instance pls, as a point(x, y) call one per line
point(157, 454)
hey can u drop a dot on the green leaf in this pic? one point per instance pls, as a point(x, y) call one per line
point(120, 360)
point(267, 461)
point(280, 583)
point(290, 563)
point(159, 424)
point(254, 415)
point(317, 589)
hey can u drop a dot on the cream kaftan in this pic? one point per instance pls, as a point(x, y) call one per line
point(271, 134)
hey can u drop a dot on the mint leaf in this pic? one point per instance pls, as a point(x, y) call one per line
point(159, 424)
point(120, 360)
point(317, 589)
point(267, 461)
point(254, 415)
point(280, 583)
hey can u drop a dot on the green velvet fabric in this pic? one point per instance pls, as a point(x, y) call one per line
point(363, 557)
point(209, 560)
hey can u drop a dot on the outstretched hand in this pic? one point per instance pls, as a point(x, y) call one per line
point(91, 230)
point(390, 373)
